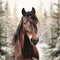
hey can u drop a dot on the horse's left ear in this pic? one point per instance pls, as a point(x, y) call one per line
point(23, 12)
point(33, 11)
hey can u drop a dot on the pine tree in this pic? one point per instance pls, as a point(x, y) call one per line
point(55, 27)
point(2, 31)
point(54, 50)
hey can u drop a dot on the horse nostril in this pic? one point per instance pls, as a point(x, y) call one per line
point(34, 41)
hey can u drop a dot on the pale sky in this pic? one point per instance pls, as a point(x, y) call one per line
point(28, 4)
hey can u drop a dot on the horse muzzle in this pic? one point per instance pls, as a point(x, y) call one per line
point(34, 41)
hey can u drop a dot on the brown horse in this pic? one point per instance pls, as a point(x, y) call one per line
point(25, 38)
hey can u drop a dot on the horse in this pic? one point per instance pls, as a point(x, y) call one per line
point(25, 37)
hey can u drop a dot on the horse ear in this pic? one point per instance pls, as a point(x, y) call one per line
point(33, 11)
point(23, 12)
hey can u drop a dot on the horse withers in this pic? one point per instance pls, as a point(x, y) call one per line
point(25, 37)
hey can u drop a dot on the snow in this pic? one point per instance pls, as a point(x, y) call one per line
point(40, 47)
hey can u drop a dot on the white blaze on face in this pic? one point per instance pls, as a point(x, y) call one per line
point(33, 35)
point(29, 35)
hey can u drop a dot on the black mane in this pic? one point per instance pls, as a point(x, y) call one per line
point(18, 31)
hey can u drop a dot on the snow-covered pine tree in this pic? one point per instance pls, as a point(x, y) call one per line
point(2, 32)
point(56, 17)
point(55, 27)
point(54, 50)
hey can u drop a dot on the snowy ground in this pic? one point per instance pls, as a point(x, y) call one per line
point(40, 47)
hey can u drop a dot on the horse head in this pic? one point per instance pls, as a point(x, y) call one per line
point(30, 24)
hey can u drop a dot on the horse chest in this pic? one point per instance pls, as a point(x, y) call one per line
point(28, 49)
point(28, 53)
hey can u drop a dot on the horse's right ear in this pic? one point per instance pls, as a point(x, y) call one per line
point(23, 12)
